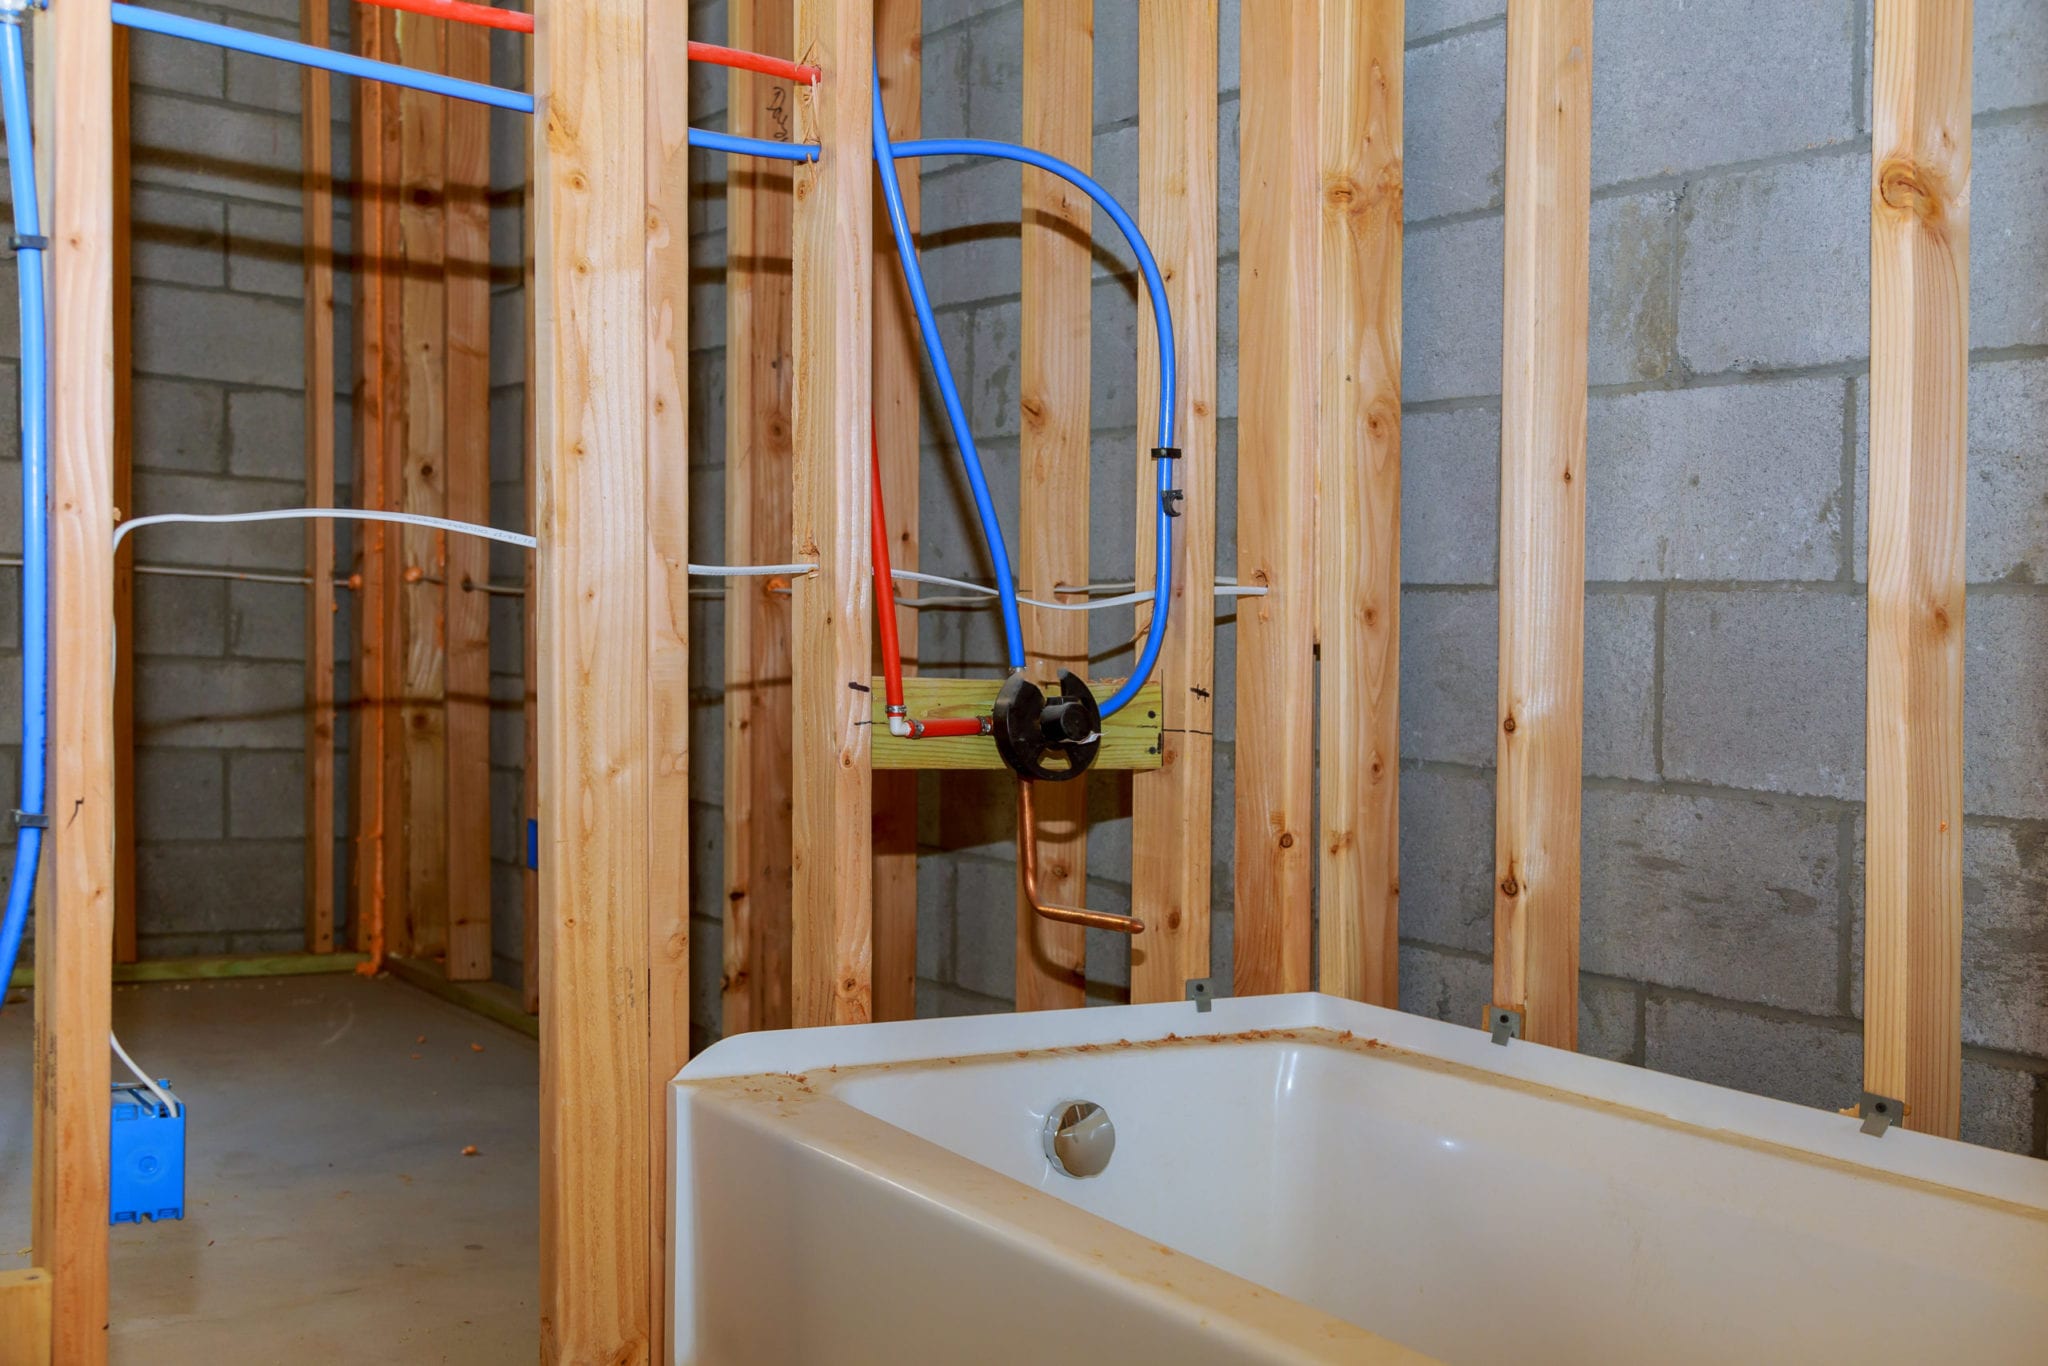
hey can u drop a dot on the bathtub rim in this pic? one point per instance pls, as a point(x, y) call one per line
point(1983, 1172)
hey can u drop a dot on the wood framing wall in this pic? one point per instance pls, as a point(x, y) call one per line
point(1358, 518)
point(1177, 213)
point(821, 895)
point(1541, 718)
point(611, 281)
point(377, 830)
point(1054, 466)
point(1319, 501)
point(423, 621)
point(316, 98)
point(74, 942)
point(758, 486)
point(831, 402)
point(1279, 345)
point(125, 888)
point(466, 567)
point(899, 46)
point(667, 465)
point(1919, 369)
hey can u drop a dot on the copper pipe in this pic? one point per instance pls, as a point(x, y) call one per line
point(1027, 863)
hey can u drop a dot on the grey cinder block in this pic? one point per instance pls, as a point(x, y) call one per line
point(1735, 897)
point(1764, 690)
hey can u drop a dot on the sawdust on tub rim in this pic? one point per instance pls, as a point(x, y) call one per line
point(1314, 1035)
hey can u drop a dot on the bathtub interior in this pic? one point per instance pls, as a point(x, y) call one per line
point(1474, 1216)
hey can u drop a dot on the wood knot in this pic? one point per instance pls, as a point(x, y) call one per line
point(1287, 840)
point(1508, 725)
point(1909, 189)
point(1173, 920)
point(1510, 887)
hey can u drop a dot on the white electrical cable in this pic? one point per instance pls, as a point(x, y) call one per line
point(982, 590)
point(489, 533)
point(171, 1105)
point(1224, 588)
point(748, 571)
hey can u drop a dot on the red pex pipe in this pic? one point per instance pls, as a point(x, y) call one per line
point(754, 61)
point(885, 586)
point(885, 616)
point(515, 21)
point(462, 12)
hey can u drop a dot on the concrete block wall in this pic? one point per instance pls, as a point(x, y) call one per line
point(218, 245)
point(1727, 514)
point(1726, 510)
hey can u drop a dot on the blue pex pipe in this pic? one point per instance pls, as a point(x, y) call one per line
point(949, 392)
point(35, 496)
point(1162, 326)
point(347, 64)
point(305, 54)
point(710, 141)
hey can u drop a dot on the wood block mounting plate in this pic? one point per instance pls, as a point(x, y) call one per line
point(1130, 739)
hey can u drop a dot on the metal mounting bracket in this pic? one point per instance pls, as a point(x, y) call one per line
point(1203, 991)
point(1880, 1113)
point(1503, 1023)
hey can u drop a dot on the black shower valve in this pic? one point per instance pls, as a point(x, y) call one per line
point(1030, 727)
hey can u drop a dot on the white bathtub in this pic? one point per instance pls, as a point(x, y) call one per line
point(1302, 1178)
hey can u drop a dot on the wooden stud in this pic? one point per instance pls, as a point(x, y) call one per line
point(899, 41)
point(598, 1283)
point(317, 196)
point(832, 237)
point(667, 464)
point(74, 45)
point(758, 481)
point(422, 925)
point(124, 500)
point(1919, 373)
point(1358, 531)
point(466, 228)
point(1280, 307)
point(25, 1317)
point(1053, 458)
point(378, 836)
point(1543, 517)
point(1177, 211)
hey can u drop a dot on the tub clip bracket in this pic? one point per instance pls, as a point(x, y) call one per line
point(1203, 991)
point(1879, 1113)
point(1503, 1023)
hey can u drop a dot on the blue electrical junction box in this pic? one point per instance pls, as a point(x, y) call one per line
point(149, 1155)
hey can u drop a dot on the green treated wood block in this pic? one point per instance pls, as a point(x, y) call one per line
point(1130, 739)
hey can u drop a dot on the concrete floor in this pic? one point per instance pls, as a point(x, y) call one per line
point(330, 1213)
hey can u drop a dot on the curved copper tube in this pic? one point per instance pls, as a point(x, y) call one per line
point(1027, 862)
